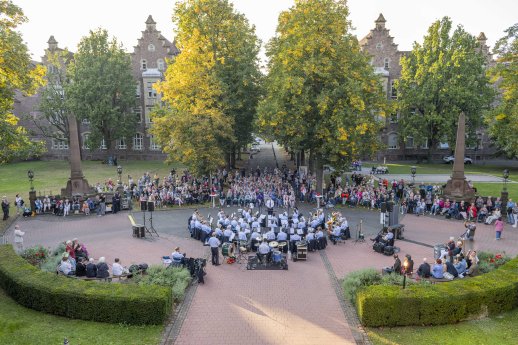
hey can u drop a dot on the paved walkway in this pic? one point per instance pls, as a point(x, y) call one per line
point(299, 306)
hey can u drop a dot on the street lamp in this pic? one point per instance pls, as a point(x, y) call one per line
point(30, 175)
point(405, 265)
point(413, 170)
point(506, 176)
point(119, 172)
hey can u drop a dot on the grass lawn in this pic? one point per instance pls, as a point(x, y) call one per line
point(438, 168)
point(494, 189)
point(498, 330)
point(22, 326)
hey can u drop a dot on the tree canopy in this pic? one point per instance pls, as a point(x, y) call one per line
point(322, 94)
point(211, 88)
point(440, 78)
point(102, 89)
point(503, 120)
point(17, 74)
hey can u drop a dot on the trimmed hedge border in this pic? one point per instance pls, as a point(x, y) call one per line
point(451, 302)
point(86, 300)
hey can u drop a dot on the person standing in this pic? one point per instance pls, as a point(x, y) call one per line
point(18, 201)
point(18, 238)
point(5, 207)
point(499, 227)
point(214, 249)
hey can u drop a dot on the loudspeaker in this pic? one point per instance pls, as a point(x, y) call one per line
point(383, 207)
point(151, 206)
point(143, 205)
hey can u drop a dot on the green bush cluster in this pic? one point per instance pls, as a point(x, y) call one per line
point(490, 261)
point(35, 255)
point(78, 299)
point(443, 303)
point(175, 278)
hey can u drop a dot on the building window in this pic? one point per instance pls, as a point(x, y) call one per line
point(138, 113)
point(137, 91)
point(138, 142)
point(444, 146)
point(160, 64)
point(60, 143)
point(379, 46)
point(151, 47)
point(143, 65)
point(85, 137)
point(153, 145)
point(386, 63)
point(392, 141)
point(393, 90)
point(424, 145)
point(409, 142)
point(85, 121)
point(394, 118)
point(121, 144)
point(103, 145)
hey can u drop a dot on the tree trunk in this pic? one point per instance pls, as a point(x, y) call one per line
point(239, 153)
point(233, 157)
point(302, 158)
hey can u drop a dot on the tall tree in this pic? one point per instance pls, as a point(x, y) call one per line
point(503, 120)
point(439, 79)
point(212, 86)
point(102, 89)
point(17, 73)
point(321, 93)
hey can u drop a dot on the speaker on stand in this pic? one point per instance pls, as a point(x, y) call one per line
point(143, 208)
point(360, 237)
point(151, 209)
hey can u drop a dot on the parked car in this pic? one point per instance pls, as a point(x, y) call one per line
point(451, 159)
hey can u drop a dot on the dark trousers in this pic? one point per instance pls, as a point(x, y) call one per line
point(6, 214)
point(215, 255)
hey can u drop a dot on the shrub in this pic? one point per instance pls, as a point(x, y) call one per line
point(489, 261)
point(354, 281)
point(35, 255)
point(176, 278)
point(53, 259)
point(79, 299)
point(462, 299)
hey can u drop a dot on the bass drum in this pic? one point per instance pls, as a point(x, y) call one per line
point(227, 249)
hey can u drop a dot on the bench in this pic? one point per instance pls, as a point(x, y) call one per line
point(138, 229)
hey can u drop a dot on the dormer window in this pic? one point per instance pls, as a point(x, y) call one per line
point(379, 46)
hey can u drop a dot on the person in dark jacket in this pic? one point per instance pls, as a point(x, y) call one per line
point(91, 269)
point(396, 268)
point(103, 271)
point(451, 269)
point(81, 268)
point(424, 269)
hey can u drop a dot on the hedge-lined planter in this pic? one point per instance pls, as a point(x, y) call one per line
point(87, 300)
point(451, 302)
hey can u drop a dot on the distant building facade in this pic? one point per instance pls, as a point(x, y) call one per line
point(385, 57)
point(149, 63)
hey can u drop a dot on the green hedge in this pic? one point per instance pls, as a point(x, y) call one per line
point(442, 303)
point(79, 299)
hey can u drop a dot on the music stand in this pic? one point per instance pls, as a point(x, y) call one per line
point(360, 237)
point(151, 208)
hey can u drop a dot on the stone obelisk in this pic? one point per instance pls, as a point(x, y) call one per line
point(457, 188)
point(77, 184)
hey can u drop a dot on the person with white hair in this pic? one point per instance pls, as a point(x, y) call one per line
point(18, 238)
point(103, 271)
point(424, 270)
point(91, 269)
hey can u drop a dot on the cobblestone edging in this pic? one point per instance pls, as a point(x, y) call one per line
point(175, 322)
point(359, 334)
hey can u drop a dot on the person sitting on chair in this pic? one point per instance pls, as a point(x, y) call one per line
point(177, 257)
point(335, 235)
point(424, 270)
point(384, 236)
point(264, 250)
point(270, 235)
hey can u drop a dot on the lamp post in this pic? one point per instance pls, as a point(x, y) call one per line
point(504, 195)
point(119, 172)
point(32, 192)
point(413, 170)
point(405, 265)
point(506, 176)
point(30, 175)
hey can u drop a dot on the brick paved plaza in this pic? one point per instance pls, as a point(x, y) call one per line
point(237, 306)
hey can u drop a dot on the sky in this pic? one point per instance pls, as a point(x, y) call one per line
point(407, 20)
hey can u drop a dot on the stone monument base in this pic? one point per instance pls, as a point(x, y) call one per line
point(76, 186)
point(459, 190)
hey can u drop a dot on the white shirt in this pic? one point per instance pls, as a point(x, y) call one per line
point(65, 267)
point(117, 269)
point(264, 248)
point(18, 236)
point(214, 242)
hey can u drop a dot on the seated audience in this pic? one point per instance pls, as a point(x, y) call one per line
point(103, 271)
point(118, 269)
point(81, 267)
point(396, 267)
point(91, 269)
point(65, 267)
point(438, 270)
point(424, 269)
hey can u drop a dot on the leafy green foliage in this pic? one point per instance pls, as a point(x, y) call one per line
point(441, 78)
point(176, 278)
point(503, 120)
point(86, 300)
point(359, 279)
point(18, 75)
point(451, 302)
point(489, 261)
point(212, 87)
point(35, 255)
point(321, 93)
point(102, 89)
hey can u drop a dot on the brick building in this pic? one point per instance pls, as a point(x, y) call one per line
point(149, 62)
